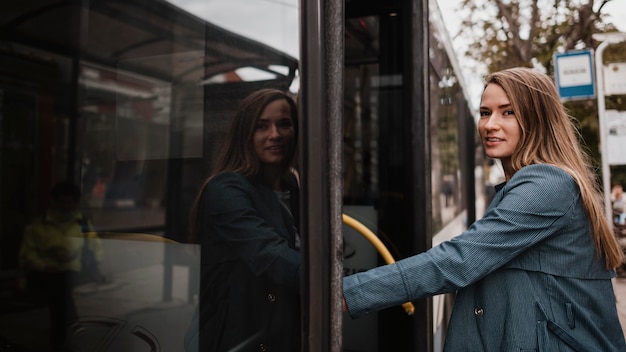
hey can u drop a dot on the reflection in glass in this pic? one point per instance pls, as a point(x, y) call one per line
point(445, 147)
point(246, 221)
point(130, 101)
point(445, 130)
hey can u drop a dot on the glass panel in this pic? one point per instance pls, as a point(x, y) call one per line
point(129, 101)
point(361, 121)
point(361, 167)
point(381, 151)
point(446, 106)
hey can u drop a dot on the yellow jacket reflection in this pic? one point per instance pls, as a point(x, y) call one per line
point(52, 245)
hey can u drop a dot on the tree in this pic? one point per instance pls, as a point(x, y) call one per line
point(528, 32)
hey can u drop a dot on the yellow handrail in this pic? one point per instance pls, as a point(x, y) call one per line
point(378, 244)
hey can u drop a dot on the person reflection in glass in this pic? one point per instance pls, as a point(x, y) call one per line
point(245, 219)
point(50, 258)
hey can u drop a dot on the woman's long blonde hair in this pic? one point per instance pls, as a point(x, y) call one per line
point(549, 136)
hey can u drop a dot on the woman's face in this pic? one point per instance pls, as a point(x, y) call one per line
point(274, 134)
point(499, 130)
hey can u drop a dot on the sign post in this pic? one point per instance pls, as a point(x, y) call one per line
point(606, 39)
point(574, 75)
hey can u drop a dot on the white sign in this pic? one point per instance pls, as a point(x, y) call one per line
point(575, 71)
point(574, 75)
point(616, 137)
point(615, 78)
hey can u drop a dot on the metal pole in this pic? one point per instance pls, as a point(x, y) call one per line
point(321, 97)
point(605, 40)
point(604, 148)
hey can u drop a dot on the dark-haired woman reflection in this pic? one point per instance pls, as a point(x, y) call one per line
point(245, 218)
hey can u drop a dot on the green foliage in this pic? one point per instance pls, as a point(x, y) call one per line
point(527, 32)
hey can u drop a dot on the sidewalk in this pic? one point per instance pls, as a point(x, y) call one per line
point(619, 285)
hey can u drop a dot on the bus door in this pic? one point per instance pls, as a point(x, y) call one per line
point(385, 163)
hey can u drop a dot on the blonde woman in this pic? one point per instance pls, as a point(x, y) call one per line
point(534, 274)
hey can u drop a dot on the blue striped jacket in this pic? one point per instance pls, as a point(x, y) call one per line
point(527, 275)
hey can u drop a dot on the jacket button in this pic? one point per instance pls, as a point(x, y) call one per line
point(478, 311)
point(262, 348)
point(271, 297)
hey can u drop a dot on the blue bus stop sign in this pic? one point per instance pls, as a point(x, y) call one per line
point(574, 75)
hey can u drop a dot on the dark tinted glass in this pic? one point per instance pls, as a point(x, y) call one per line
point(129, 101)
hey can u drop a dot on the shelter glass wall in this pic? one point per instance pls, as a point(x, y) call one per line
point(130, 101)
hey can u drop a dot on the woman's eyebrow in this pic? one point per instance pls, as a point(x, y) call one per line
point(503, 106)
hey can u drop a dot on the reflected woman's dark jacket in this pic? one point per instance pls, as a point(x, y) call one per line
point(250, 267)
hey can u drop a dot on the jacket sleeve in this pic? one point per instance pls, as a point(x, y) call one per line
point(532, 209)
point(231, 214)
